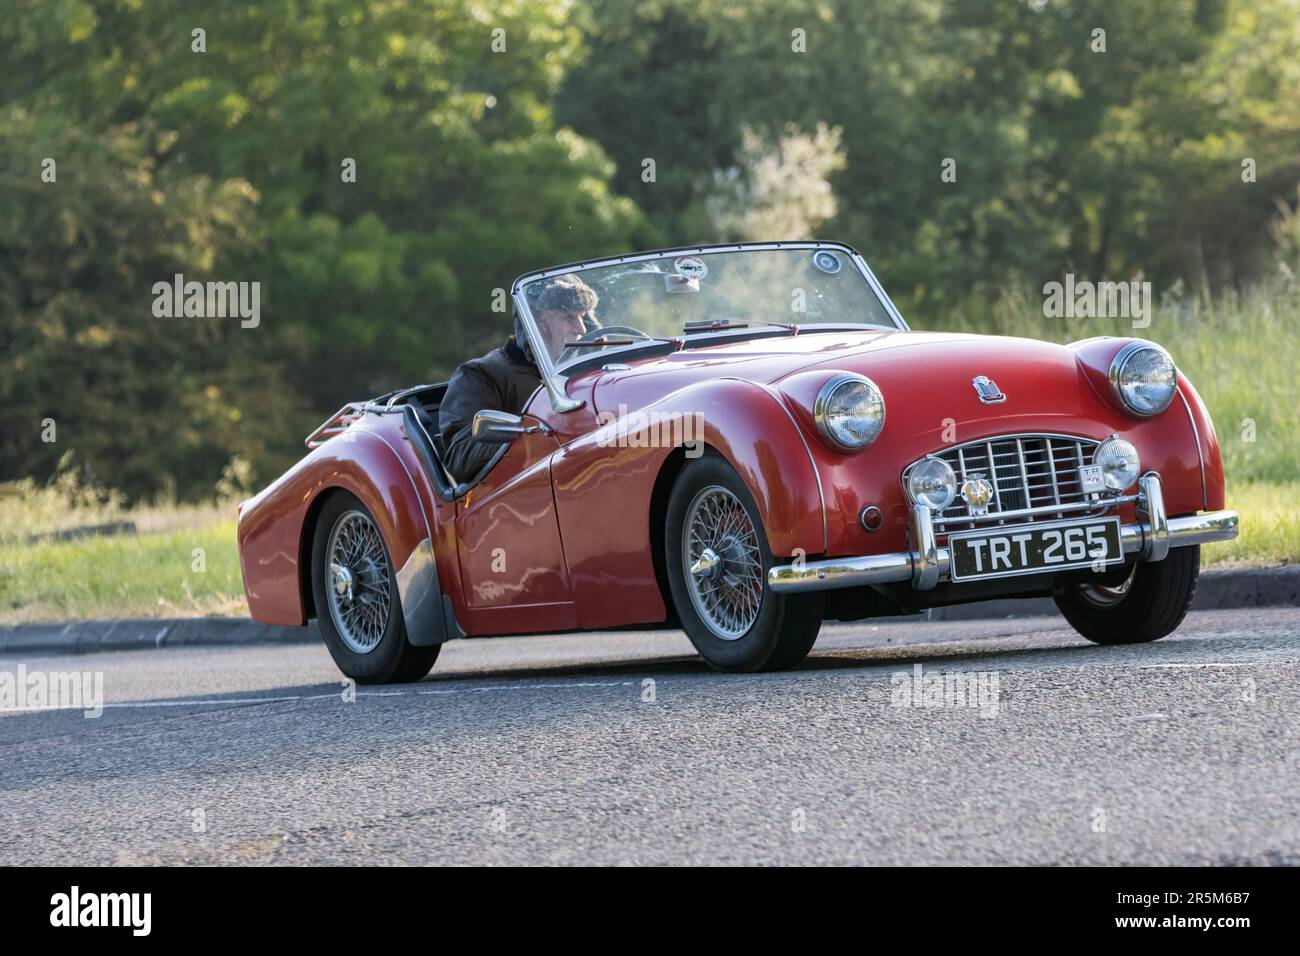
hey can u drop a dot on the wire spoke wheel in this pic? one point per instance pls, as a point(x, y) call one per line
point(359, 582)
point(724, 566)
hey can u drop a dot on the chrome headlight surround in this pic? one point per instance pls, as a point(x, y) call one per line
point(1119, 463)
point(1131, 370)
point(842, 399)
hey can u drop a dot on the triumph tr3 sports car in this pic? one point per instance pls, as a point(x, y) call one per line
point(746, 441)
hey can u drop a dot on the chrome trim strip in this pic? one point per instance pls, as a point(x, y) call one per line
point(1100, 505)
point(842, 572)
point(1196, 434)
point(1009, 437)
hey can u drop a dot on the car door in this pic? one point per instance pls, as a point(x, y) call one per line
point(508, 537)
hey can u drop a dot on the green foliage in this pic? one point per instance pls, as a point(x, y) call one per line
point(228, 164)
point(1270, 528)
point(1106, 164)
point(474, 165)
point(84, 365)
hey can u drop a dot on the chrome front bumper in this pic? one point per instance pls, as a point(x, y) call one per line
point(927, 565)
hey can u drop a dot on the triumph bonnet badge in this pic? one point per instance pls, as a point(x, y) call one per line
point(988, 390)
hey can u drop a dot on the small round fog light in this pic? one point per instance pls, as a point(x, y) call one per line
point(1119, 463)
point(932, 483)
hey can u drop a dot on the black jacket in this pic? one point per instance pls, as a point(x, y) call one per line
point(502, 380)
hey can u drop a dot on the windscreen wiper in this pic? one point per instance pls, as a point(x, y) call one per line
point(722, 325)
point(718, 325)
point(603, 341)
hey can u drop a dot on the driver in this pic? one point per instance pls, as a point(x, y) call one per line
point(505, 378)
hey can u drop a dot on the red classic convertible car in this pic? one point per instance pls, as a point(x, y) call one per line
point(748, 440)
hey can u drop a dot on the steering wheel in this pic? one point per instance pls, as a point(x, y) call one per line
point(596, 333)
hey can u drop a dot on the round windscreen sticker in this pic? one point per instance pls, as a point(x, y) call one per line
point(827, 262)
point(690, 267)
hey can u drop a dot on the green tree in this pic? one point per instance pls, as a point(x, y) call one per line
point(84, 366)
point(462, 181)
point(1104, 154)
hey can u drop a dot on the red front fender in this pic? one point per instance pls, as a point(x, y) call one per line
point(604, 481)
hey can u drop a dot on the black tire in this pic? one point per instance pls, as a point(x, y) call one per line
point(786, 625)
point(1157, 599)
point(394, 659)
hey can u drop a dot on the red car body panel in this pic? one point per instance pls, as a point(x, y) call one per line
point(514, 505)
point(576, 507)
point(603, 479)
point(274, 529)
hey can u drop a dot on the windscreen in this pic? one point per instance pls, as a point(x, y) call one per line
point(609, 307)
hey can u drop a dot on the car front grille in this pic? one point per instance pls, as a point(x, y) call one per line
point(1026, 471)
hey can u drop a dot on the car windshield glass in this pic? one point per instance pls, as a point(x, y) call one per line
point(612, 307)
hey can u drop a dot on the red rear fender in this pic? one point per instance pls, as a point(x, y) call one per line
point(275, 528)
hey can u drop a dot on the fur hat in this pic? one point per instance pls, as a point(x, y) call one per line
point(566, 292)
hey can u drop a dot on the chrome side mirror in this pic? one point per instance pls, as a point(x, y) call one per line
point(499, 428)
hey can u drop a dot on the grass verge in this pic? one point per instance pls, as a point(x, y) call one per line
point(179, 573)
point(1270, 527)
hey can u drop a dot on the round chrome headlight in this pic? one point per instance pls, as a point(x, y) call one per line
point(1144, 378)
point(1119, 463)
point(931, 482)
point(850, 411)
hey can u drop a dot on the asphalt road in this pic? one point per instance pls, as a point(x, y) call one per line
point(547, 750)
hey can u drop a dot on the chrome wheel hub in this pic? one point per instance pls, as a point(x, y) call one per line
point(358, 582)
point(708, 566)
point(725, 566)
point(342, 581)
point(1104, 596)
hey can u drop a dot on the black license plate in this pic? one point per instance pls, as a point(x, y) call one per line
point(1033, 548)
